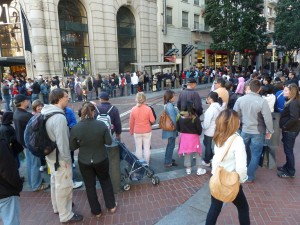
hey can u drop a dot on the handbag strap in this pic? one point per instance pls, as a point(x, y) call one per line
point(230, 143)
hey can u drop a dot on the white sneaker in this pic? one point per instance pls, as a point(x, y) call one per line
point(188, 171)
point(77, 184)
point(201, 171)
point(42, 168)
point(205, 164)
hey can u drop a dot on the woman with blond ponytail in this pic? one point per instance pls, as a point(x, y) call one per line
point(141, 119)
point(91, 136)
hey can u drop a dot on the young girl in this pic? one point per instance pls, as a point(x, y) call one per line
point(189, 126)
point(209, 123)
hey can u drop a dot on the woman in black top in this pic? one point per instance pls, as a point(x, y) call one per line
point(91, 136)
point(290, 124)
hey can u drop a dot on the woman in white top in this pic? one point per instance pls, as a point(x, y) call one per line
point(267, 93)
point(209, 123)
point(227, 125)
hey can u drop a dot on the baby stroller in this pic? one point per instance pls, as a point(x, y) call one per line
point(136, 168)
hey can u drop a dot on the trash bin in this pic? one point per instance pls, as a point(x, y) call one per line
point(275, 140)
point(114, 167)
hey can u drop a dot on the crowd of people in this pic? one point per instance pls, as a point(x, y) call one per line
point(239, 105)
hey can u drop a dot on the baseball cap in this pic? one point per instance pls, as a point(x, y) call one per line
point(104, 95)
point(20, 98)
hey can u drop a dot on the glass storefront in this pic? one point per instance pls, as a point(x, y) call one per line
point(126, 39)
point(11, 43)
point(73, 26)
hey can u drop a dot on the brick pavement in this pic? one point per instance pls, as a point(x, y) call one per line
point(272, 200)
point(143, 204)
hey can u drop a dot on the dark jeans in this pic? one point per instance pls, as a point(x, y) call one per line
point(241, 204)
point(207, 141)
point(288, 139)
point(169, 150)
point(89, 174)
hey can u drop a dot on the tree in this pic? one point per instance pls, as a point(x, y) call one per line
point(287, 26)
point(237, 26)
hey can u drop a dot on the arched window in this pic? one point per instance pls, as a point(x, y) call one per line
point(73, 26)
point(126, 39)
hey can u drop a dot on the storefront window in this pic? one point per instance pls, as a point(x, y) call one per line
point(10, 30)
point(74, 37)
point(126, 39)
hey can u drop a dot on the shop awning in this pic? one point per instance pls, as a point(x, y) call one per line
point(187, 50)
point(12, 61)
point(145, 64)
point(220, 52)
point(171, 52)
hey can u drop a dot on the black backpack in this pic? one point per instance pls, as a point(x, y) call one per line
point(36, 137)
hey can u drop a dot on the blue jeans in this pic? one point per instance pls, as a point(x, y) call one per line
point(34, 97)
point(288, 140)
point(169, 150)
point(33, 164)
point(254, 142)
point(10, 210)
point(46, 98)
point(135, 89)
point(128, 89)
point(7, 99)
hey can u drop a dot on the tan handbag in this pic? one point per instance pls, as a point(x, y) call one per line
point(165, 122)
point(224, 185)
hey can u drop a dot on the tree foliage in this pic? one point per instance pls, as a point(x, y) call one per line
point(237, 25)
point(287, 25)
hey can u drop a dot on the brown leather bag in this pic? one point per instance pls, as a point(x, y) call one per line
point(224, 185)
point(165, 122)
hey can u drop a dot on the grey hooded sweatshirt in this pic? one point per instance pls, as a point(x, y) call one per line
point(58, 131)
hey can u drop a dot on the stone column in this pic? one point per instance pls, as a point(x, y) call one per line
point(38, 38)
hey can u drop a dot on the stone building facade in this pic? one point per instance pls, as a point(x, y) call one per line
point(90, 36)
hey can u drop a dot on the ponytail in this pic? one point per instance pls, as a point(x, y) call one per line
point(87, 111)
point(220, 101)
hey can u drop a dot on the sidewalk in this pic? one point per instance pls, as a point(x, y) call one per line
point(178, 199)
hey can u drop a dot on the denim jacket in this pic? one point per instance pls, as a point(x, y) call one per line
point(172, 112)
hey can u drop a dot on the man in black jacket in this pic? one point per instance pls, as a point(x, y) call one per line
point(190, 95)
point(21, 118)
point(10, 186)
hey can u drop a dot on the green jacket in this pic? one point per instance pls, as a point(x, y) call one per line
point(90, 136)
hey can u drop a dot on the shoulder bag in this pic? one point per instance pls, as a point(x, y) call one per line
point(165, 122)
point(224, 185)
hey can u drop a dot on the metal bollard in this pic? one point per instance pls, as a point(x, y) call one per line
point(114, 167)
point(275, 140)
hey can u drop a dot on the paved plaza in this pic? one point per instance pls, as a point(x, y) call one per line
point(179, 198)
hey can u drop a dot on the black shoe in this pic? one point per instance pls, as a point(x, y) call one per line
point(281, 169)
point(284, 175)
point(74, 219)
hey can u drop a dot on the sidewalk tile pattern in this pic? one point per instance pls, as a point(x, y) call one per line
point(143, 204)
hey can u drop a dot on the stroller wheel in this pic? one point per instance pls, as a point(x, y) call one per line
point(126, 187)
point(155, 180)
point(150, 173)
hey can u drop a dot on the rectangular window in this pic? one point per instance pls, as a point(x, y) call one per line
point(269, 11)
point(185, 19)
point(196, 2)
point(169, 15)
point(196, 22)
point(185, 0)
